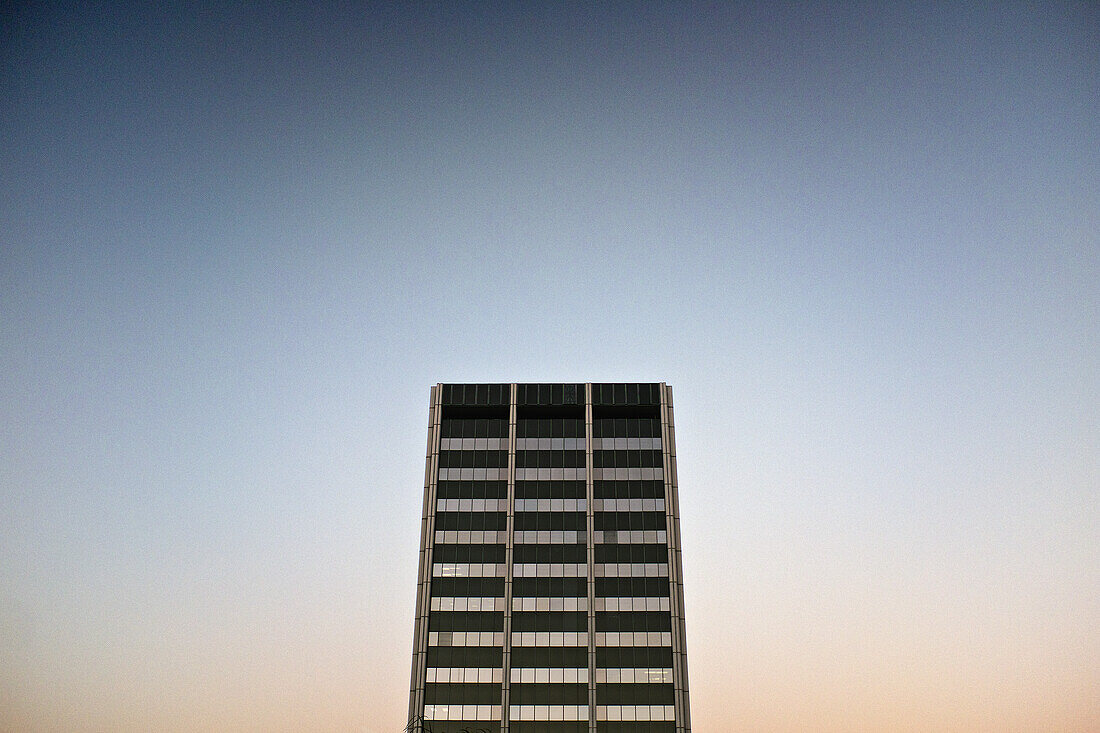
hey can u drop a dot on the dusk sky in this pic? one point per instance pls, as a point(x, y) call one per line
point(238, 246)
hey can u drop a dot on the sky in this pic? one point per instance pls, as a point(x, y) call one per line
point(239, 244)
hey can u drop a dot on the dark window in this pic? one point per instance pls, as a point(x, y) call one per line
point(634, 656)
point(472, 490)
point(436, 693)
point(468, 587)
point(547, 694)
point(523, 554)
point(461, 521)
point(636, 694)
point(549, 656)
point(631, 587)
point(549, 621)
point(466, 621)
point(605, 553)
point(528, 521)
point(633, 621)
point(470, 553)
point(549, 587)
point(465, 656)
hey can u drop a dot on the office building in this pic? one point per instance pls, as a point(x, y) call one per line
point(550, 596)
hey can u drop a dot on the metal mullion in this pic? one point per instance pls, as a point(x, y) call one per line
point(676, 586)
point(590, 551)
point(507, 657)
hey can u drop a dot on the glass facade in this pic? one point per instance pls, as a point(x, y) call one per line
point(550, 594)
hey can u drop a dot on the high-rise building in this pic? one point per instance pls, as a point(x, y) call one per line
point(550, 597)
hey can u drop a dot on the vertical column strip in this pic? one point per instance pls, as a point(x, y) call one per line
point(590, 552)
point(424, 572)
point(675, 566)
point(507, 662)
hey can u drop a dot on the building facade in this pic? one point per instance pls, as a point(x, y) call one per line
point(550, 595)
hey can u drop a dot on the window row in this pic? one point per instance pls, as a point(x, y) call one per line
point(467, 674)
point(469, 587)
point(551, 443)
point(636, 489)
point(555, 587)
point(627, 474)
point(473, 459)
point(631, 553)
point(550, 428)
point(473, 444)
point(556, 675)
point(471, 490)
point(471, 505)
point(631, 537)
point(550, 489)
point(466, 656)
point(462, 712)
point(551, 505)
point(631, 604)
point(622, 587)
point(635, 694)
point(626, 427)
point(551, 570)
point(550, 621)
point(465, 638)
point(576, 521)
point(633, 656)
point(633, 638)
point(469, 553)
point(470, 570)
point(548, 537)
point(550, 459)
point(630, 675)
point(627, 459)
point(462, 693)
point(620, 621)
point(449, 603)
point(459, 521)
point(550, 638)
point(472, 537)
point(473, 474)
point(628, 505)
point(548, 694)
point(630, 570)
point(550, 474)
point(548, 656)
point(549, 553)
point(626, 443)
point(548, 712)
point(474, 428)
point(627, 521)
point(550, 604)
point(545, 726)
point(467, 621)
point(635, 712)
point(618, 727)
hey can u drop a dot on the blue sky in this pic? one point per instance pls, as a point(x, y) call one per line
point(237, 246)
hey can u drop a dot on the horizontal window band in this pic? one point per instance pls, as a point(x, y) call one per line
point(549, 604)
point(462, 712)
point(631, 604)
point(630, 570)
point(635, 712)
point(633, 638)
point(627, 474)
point(451, 603)
point(630, 537)
point(548, 712)
point(471, 537)
point(550, 638)
point(473, 474)
point(549, 537)
point(628, 505)
point(550, 570)
point(471, 505)
point(469, 570)
point(465, 638)
point(473, 444)
point(626, 444)
point(550, 444)
point(551, 505)
point(564, 675)
point(633, 675)
point(465, 674)
point(550, 474)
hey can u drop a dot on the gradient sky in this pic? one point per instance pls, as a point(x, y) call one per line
point(237, 247)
